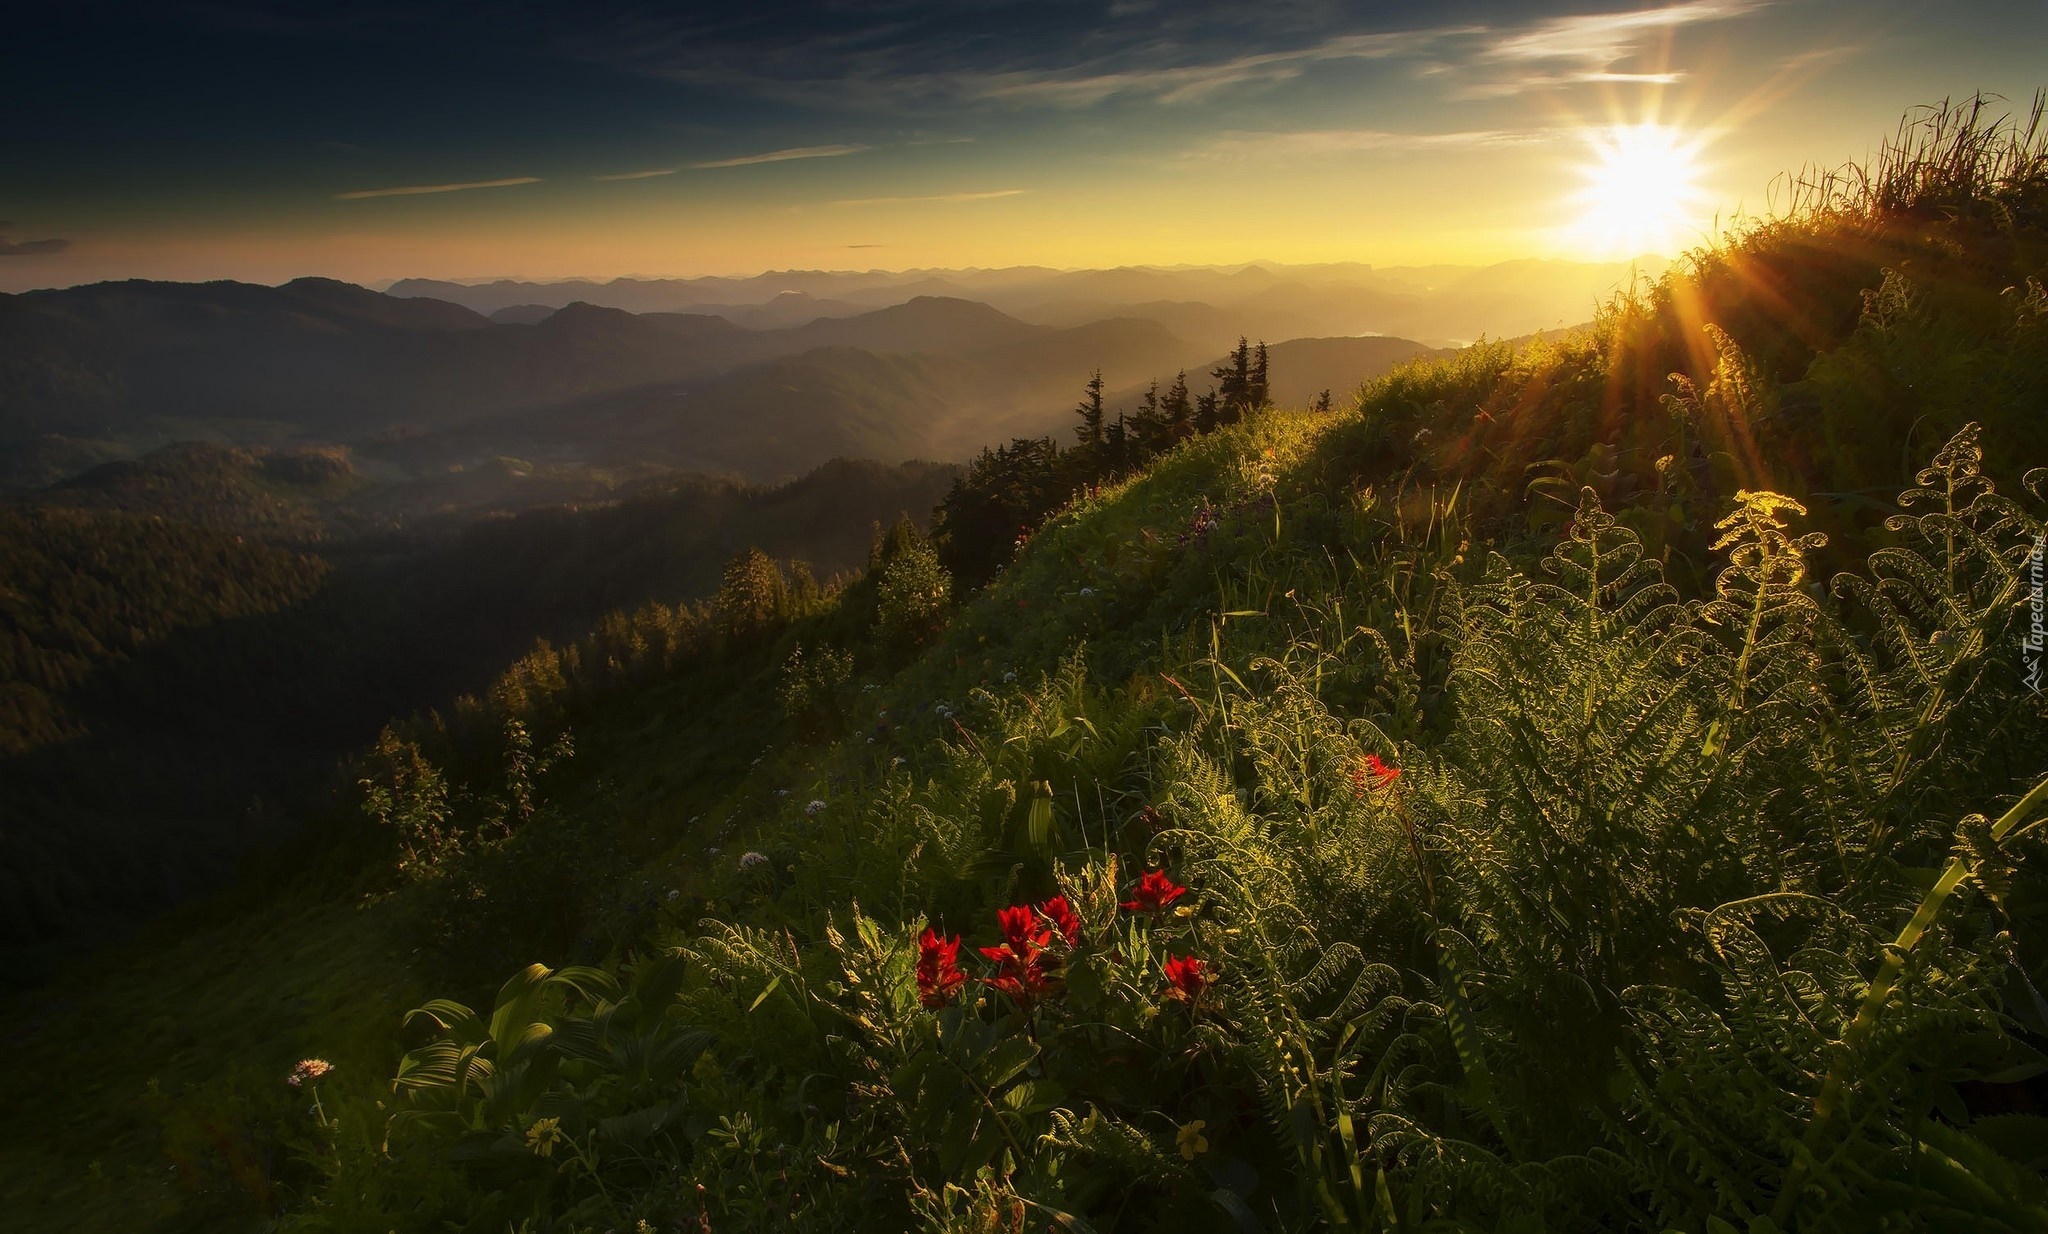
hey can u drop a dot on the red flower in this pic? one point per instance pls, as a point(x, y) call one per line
point(1064, 918)
point(1022, 931)
point(1023, 970)
point(1023, 981)
point(1153, 892)
point(1185, 977)
point(1371, 775)
point(938, 969)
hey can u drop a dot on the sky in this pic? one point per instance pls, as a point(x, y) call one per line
point(201, 139)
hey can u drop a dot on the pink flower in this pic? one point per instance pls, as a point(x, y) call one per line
point(308, 1071)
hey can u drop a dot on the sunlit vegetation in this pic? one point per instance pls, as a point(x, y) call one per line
point(1588, 785)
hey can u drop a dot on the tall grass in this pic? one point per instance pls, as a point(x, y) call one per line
point(1952, 160)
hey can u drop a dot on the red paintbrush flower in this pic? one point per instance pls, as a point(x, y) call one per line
point(1371, 775)
point(1023, 932)
point(1023, 970)
point(1186, 977)
point(1153, 892)
point(938, 969)
point(1023, 980)
point(1064, 918)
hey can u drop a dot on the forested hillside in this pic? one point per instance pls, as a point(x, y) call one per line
point(174, 689)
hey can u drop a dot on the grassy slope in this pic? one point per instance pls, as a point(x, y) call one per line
point(1325, 528)
point(300, 959)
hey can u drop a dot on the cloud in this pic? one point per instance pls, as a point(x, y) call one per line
point(894, 201)
point(28, 248)
point(867, 246)
point(1588, 49)
point(778, 156)
point(1605, 38)
point(905, 57)
point(1182, 83)
point(416, 189)
point(641, 175)
point(1238, 143)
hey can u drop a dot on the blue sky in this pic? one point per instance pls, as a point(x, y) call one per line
point(239, 139)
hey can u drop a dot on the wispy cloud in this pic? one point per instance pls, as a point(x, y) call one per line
point(895, 201)
point(29, 248)
point(33, 248)
point(414, 190)
point(1604, 38)
point(1239, 143)
point(1183, 83)
point(867, 246)
point(640, 175)
point(903, 57)
point(777, 156)
point(1595, 48)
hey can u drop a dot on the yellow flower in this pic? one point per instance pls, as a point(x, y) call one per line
point(1192, 1142)
point(543, 1136)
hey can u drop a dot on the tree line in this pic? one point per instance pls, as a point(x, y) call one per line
point(1008, 490)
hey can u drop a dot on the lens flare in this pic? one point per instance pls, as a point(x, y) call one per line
point(1641, 192)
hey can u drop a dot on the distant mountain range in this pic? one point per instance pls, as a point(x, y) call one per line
point(1208, 306)
point(765, 377)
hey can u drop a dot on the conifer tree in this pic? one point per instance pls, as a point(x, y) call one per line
point(1234, 378)
point(754, 595)
point(1116, 440)
point(1147, 427)
point(1207, 416)
point(1257, 393)
point(1177, 413)
point(1090, 412)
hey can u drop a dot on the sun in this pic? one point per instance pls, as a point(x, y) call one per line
point(1641, 191)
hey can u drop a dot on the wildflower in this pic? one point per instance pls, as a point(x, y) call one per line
point(815, 808)
point(1086, 592)
point(1370, 775)
point(673, 894)
point(1023, 971)
point(938, 969)
point(1191, 1140)
point(752, 860)
point(543, 1135)
point(308, 1071)
point(1153, 892)
point(1063, 918)
point(1186, 976)
point(1022, 930)
point(1010, 677)
point(1022, 980)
